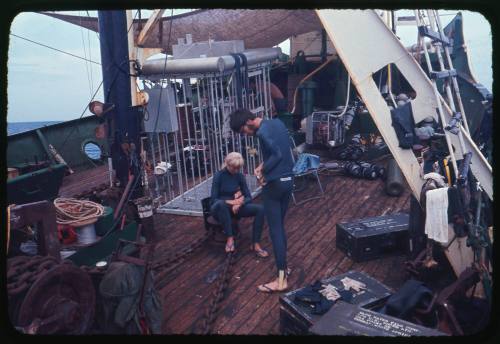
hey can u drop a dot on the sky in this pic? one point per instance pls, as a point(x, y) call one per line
point(47, 85)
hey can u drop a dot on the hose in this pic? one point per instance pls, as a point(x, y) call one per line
point(307, 77)
point(74, 211)
point(348, 94)
point(389, 85)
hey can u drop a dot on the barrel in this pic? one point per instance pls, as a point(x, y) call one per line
point(394, 185)
point(307, 89)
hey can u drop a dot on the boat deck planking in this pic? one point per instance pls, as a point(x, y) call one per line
point(311, 255)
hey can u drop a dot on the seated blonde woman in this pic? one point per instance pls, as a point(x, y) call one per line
point(231, 196)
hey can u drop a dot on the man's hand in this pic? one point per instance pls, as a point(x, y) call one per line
point(258, 170)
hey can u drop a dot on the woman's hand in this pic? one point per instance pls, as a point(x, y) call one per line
point(236, 208)
point(231, 201)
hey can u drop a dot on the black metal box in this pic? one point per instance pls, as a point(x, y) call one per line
point(297, 319)
point(373, 237)
point(345, 319)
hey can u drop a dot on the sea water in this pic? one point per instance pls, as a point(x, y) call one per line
point(19, 127)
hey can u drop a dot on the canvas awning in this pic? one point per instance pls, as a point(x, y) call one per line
point(257, 28)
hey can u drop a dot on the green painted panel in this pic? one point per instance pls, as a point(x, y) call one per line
point(36, 186)
point(103, 249)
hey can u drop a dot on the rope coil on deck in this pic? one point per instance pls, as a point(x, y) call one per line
point(71, 211)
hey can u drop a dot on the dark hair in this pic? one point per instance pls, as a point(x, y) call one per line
point(239, 117)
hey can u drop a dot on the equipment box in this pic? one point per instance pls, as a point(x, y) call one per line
point(373, 237)
point(345, 319)
point(296, 318)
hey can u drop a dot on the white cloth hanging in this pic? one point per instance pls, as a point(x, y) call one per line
point(439, 179)
point(436, 218)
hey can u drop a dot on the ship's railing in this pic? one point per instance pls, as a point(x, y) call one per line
point(192, 147)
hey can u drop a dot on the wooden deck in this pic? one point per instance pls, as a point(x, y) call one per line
point(82, 181)
point(312, 254)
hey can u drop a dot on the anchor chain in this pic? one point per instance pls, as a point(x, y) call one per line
point(174, 260)
point(23, 271)
point(218, 294)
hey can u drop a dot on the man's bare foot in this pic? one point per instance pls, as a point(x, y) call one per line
point(273, 286)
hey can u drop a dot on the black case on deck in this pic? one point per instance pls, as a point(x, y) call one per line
point(344, 319)
point(373, 237)
point(297, 319)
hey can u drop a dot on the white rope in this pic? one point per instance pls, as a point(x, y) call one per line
point(74, 211)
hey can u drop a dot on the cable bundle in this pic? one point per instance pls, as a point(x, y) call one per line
point(71, 211)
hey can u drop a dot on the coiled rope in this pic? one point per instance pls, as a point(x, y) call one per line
point(71, 211)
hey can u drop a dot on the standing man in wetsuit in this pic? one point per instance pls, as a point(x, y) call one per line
point(276, 171)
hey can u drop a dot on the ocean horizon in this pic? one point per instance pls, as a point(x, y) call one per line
point(19, 127)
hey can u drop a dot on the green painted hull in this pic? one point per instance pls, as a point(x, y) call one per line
point(67, 138)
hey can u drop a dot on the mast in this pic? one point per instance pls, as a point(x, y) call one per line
point(124, 120)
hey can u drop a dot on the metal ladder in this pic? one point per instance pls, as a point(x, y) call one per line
point(441, 44)
point(429, 26)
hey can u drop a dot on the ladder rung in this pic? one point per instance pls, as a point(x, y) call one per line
point(453, 125)
point(443, 74)
point(435, 36)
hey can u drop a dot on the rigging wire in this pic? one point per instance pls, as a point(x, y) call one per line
point(46, 46)
point(85, 54)
point(97, 90)
point(90, 66)
point(96, 32)
point(164, 69)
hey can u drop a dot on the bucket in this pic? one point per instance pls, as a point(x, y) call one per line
point(104, 222)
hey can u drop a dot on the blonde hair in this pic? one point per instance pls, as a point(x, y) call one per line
point(233, 159)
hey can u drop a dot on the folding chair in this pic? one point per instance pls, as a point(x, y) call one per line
point(310, 171)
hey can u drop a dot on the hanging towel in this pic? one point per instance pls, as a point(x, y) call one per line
point(436, 218)
point(439, 179)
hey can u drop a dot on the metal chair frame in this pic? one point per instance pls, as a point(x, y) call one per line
point(312, 171)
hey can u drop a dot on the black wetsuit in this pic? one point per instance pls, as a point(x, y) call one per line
point(276, 193)
point(224, 186)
